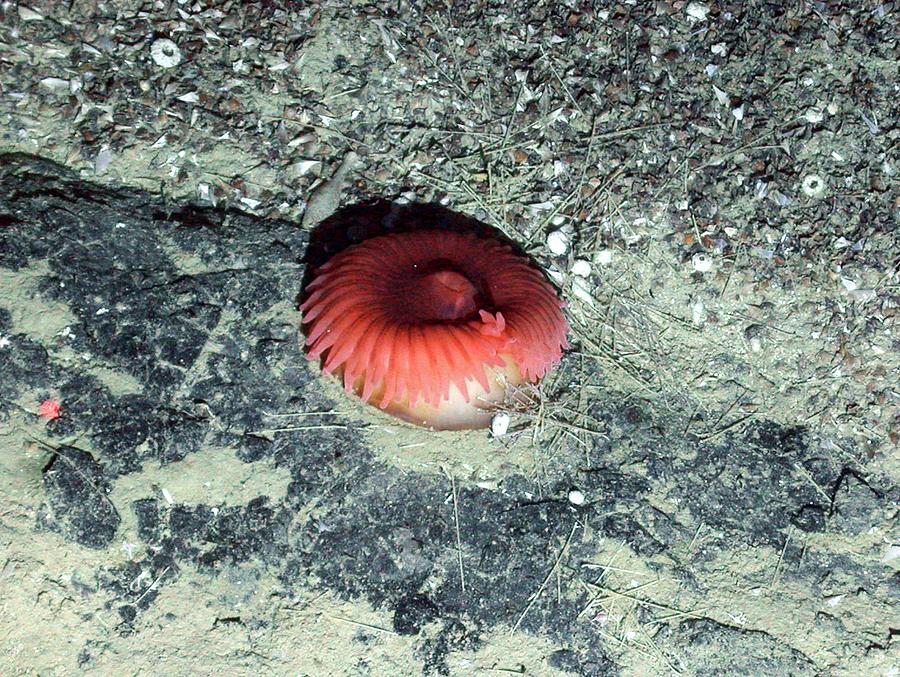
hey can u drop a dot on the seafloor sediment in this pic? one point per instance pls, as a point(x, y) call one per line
point(709, 485)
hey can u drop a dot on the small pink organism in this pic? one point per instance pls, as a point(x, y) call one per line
point(49, 409)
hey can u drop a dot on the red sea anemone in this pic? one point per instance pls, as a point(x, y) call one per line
point(433, 326)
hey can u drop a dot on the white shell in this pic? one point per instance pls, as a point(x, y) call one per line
point(500, 424)
point(698, 313)
point(583, 290)
point(165, 53)
point(891, 553)
point(556, 275)
point(815, 114)
point(703, 263)
point(697, 10)
point(813, 185)
point(604, 257)
point(576, 497)
point(581, 268)
point(558, 242)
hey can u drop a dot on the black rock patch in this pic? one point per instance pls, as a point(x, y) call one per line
point(78, 507)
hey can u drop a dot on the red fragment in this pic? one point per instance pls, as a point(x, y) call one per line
point(49, 409)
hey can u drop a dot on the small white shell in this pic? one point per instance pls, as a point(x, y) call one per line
point(165, 53)
point(583, 290)
point(698, 313)
point(558, 242)
point(703, 263)
point(303, 167)
point(697, 10)
point(813, 185)
point(556, 275)
point(581, 268)
point(604, 257)
point(891, 553)
point(576, 497)
point(815, 114)
point(500, 424)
